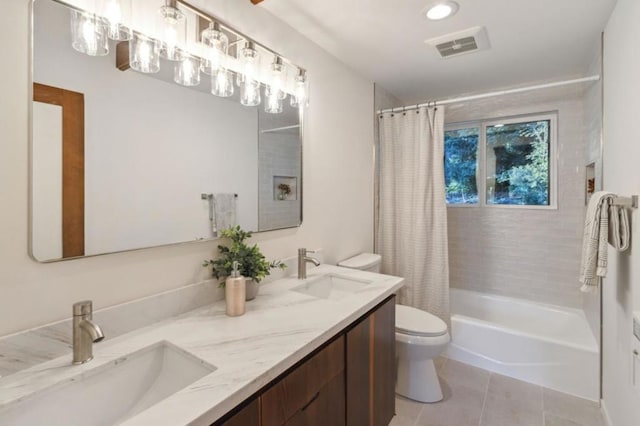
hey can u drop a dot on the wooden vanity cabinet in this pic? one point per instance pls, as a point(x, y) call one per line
point(301, 393)
point(247, 415)
point(371, 369)
point(349, 381)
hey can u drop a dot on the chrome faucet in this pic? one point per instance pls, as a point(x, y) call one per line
point(302, 262)
point(85, 332)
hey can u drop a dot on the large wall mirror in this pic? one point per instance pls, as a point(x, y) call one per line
point(122, 160)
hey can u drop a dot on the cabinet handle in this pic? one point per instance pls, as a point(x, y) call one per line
point(310, 401)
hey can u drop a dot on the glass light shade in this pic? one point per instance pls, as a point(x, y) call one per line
point(216, 47)
point(172, 28)
point(277, 79)
point(249, 59)
point(273, 104)
point(187, 72)
point(222, 83)
point(117, 13)
point(89, 33)
point(250, 93)
point(144, 54)
point(300, 96)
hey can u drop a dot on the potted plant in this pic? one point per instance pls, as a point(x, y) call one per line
point(253, 265)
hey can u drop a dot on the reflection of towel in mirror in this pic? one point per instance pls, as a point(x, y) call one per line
point(225, 211)
point(605, 223)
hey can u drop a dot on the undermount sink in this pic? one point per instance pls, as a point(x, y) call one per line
point(331, 287)
point(111, 393)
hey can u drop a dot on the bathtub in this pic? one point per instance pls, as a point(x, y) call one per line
point(548, 345)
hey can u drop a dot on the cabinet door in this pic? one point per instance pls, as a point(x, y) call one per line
point(384, 363)
point(249, 415)
point(326, 408)
point(358, 373)
point(371, 369)
point(295, 390)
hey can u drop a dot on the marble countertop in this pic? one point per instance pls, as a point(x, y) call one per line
point(279, 328)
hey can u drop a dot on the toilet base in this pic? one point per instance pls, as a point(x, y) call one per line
point(420, 382)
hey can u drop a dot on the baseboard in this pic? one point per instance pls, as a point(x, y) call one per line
point(605, 413)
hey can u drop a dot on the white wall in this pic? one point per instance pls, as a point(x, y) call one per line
point(593, 129)
point(337, 154)
point(532, 254)
point(621, 288)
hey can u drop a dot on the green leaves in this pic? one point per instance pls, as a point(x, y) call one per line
point(252, 262)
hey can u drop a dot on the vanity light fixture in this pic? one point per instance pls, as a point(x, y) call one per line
point(117, 14)
point(164, 34)
point(300, 96)
point(250, 93)
point(144, 53)
point(89, 33)
point(172, 27)
point(222, 83)
point(247, 78)
point(187, 72)
point(277, 79)
point(216, 45)
point(249, 60)
point(441, 10)
point(274, 91)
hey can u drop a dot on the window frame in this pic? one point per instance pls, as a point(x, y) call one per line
point(481, 176)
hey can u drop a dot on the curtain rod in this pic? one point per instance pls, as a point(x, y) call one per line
point(493, 94)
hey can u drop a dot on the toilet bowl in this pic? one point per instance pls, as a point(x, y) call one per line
point(420, 338)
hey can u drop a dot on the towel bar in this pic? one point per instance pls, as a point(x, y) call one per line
point(630, 202)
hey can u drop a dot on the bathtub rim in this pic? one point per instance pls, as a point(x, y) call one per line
point(592, 347)
point(514, 331)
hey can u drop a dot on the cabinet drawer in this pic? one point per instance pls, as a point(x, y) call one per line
point(249, 415)
point(296, 389)
point(327, 407)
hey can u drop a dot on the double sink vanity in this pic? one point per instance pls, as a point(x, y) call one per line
point(314, 351)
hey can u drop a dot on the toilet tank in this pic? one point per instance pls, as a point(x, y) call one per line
point(364, 262)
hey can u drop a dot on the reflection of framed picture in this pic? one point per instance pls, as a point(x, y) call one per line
point(285, 188)
point(590, 182)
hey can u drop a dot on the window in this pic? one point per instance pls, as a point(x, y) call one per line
point(460, 165)
point(507, 162)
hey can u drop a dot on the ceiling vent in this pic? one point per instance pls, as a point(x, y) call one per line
point(460, 43)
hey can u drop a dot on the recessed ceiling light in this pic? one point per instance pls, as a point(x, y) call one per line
point(441, 10)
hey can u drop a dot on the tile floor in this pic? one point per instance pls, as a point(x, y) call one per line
point(476, 397)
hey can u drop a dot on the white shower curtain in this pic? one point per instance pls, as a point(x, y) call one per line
point(412, 226)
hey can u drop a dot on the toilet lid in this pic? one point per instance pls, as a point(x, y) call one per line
point(361, 261)
point(418, 323)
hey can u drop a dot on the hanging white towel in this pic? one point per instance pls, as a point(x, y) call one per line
point(604, 223)
point(224, 212)
point(619, 234)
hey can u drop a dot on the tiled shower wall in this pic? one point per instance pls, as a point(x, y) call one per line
point(519, 252)
point(279, 155)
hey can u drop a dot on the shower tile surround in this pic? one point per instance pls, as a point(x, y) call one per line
point(475, 397)
point(526, 253)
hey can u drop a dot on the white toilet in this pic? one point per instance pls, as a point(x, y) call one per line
point(420, 338)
